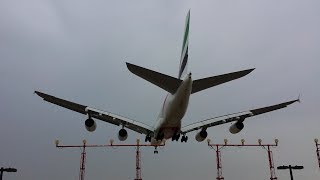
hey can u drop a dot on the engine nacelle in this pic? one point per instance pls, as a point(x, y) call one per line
point(202, 135)
point(90, 125)
point(236, 127)
point(122, 135)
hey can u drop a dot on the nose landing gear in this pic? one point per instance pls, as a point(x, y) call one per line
point(155, 150)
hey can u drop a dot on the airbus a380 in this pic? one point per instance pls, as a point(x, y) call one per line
point(174, 107)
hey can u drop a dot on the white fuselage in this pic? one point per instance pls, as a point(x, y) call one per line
point(173, 109)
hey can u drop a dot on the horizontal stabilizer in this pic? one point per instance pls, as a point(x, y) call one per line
point(201, 84)
point(168, 83)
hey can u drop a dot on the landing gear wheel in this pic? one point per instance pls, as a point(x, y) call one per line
point(155, 150)
point(176, 137)
point(184, 138)
point(147, 139)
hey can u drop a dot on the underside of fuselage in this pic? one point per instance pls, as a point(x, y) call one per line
point(173, 110)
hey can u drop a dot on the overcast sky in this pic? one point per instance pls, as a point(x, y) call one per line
point(77, 50)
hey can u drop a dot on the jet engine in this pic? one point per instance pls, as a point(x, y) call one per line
point(236, 127)
point(202, 135)
point(122, 135)
point(90, 125)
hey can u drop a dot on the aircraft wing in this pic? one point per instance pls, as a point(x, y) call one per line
point(97, 114)
point(240, 116)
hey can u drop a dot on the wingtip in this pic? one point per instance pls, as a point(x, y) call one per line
point(129, 65)
point(248, 71)
point(299, 98)
point(39, 93)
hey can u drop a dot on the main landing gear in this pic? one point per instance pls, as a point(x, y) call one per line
point(184, 138)
point(175, 137)
point(147, 139)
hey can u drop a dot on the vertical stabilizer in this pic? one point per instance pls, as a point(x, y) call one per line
point(184, 52)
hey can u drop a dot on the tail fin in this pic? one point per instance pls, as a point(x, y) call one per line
point(184, 52)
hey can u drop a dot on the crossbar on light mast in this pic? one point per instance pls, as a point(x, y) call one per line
point(218, 148)
point(85, 145)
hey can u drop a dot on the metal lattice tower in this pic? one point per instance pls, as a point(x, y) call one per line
point(83, 154)
point(138, 163)
point(317, 151)
point(218, 148)
point(83, 161)
point(219, 164)
point(271, 164)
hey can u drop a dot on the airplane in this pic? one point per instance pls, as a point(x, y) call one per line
point(168, 123)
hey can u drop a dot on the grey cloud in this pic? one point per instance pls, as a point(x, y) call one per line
point(77, 50)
